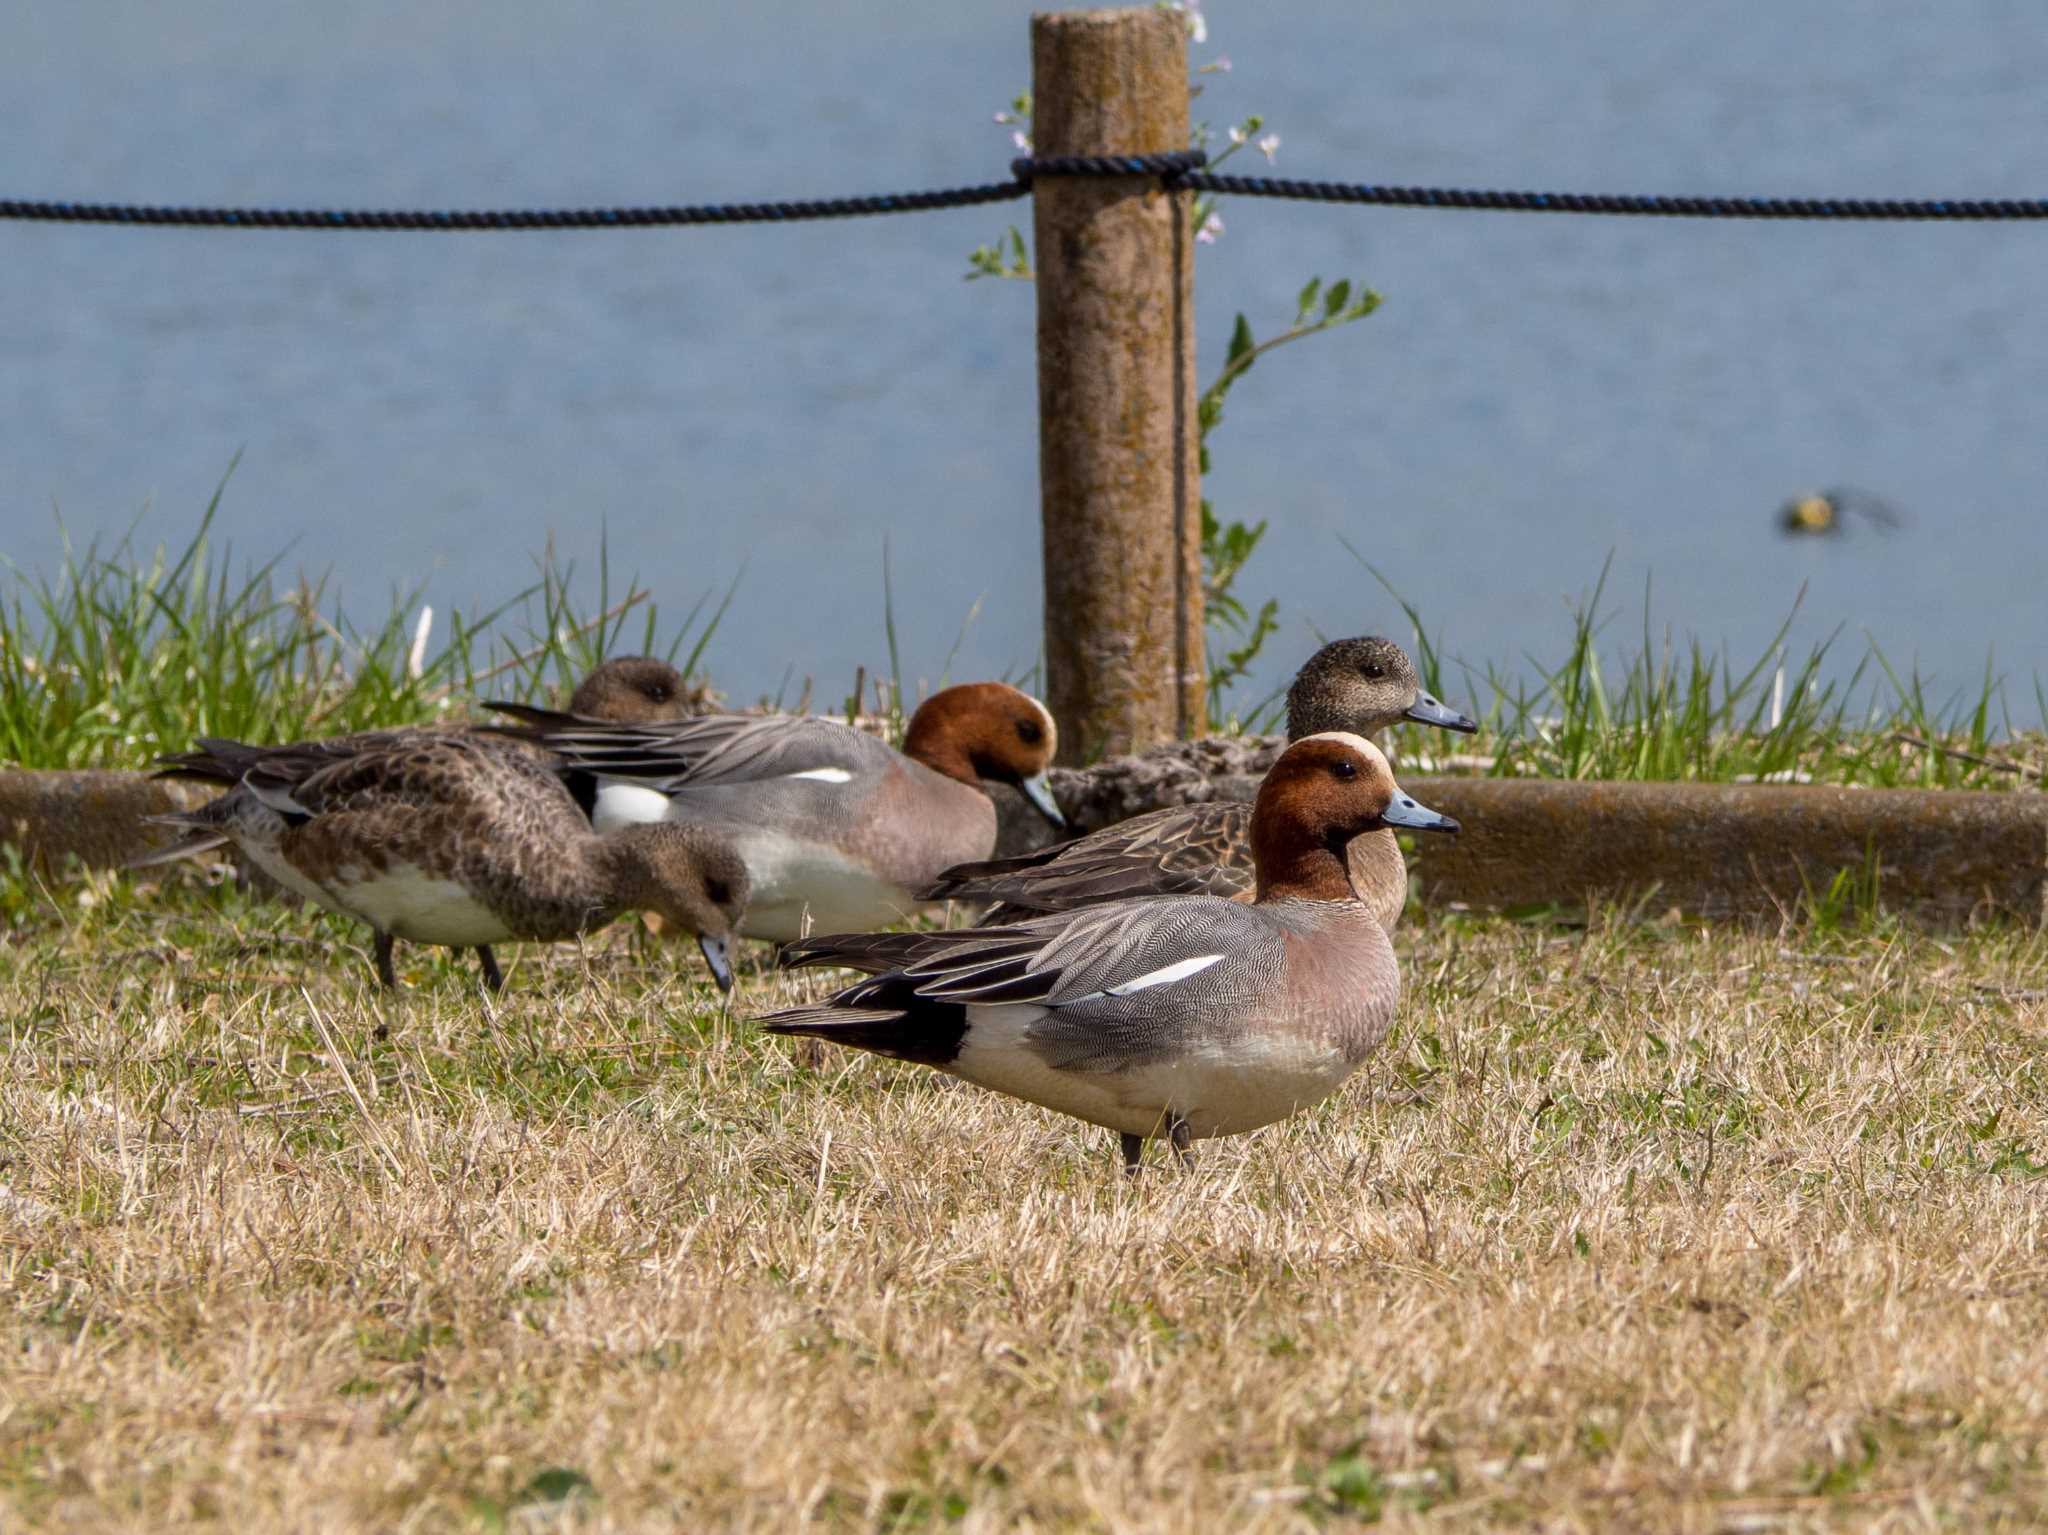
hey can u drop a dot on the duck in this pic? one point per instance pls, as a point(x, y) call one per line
point(624, 689)
point(1182, 1016)
point(465, 840)
point(1360, 685)
point(839, 829)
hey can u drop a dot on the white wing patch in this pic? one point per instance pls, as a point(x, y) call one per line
point(1165, 976)
point(626, 804)
point(823, 775)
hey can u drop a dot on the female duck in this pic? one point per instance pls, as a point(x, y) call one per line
point(466, 841)
point(1356, 685)
point(838, 829)
point(1186, 1016)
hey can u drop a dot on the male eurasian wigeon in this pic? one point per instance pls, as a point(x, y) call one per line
point(1356, 685)
point(838, 828)
point(465, 840)
point(1185, 1015)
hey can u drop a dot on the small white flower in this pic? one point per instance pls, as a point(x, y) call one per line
point(1020, 140)
point(1198, 24)
point(1222, 64)
point(1237, 135)
point(1269, 146)
point(1211, 230)
point(1004, 117)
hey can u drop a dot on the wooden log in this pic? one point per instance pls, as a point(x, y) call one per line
point(1116, 388)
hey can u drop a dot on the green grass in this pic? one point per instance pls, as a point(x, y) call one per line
point(1661, 708)
point(123, 653)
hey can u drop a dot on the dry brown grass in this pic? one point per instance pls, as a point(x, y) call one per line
point(1637, 1228)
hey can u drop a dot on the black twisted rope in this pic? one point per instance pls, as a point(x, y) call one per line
point(516, 218)
point(1178, 170)
point(1579, 202)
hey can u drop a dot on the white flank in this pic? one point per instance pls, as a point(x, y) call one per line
point(1224, 1086)
point(626, 804)
point(407, 901)
point(1166, 975)
point(823, 775)
point(795, 878)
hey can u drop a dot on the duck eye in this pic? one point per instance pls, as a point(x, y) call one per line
point(1030, 732)
point(658, 691)
point(718, 891)
point(1344, 768)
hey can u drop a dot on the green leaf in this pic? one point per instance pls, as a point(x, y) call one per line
point(1307, 301)
point(1241, 342)
point(1335, 299)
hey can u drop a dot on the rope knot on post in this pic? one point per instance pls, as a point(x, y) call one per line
point(1170, 167)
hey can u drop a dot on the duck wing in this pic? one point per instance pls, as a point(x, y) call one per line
point(705, 749)
point(1109, 982)
point(1202, 849)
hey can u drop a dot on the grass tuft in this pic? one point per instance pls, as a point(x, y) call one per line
point(122, 654)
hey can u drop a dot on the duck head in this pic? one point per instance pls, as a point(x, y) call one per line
point(1363, 685)
point(1325, 790)
point(691, 877)
point(988, 732)
point(633, 690)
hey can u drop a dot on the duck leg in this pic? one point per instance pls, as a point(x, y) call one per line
point(385, 973)
point(1177, 1131)
point(494, 978)
point(1134, 1153)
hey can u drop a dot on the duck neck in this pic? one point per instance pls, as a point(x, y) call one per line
point(1378, 873)
point(930, 742)
point(1294, 863)
point(617, 874)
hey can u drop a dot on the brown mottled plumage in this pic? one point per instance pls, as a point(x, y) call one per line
point(465, 840)
point(637, 690)
point(1358, 685)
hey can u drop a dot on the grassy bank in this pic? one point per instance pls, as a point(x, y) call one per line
point(1630, 1227)
point(123, 653)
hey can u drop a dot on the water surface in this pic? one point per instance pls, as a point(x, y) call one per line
point(1536, 392)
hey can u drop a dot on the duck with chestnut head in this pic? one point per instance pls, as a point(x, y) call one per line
point(1358, 685)
point(1182, 1016)
point(839, 829)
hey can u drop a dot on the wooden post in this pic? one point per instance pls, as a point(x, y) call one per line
point(1116, 387)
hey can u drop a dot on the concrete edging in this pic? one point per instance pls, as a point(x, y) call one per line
point(1943, 857)
point(97, 817)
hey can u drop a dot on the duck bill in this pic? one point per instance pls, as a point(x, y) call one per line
point(718, 955)
point(1433, 711)
point(1410, 815)
point(1038, 789)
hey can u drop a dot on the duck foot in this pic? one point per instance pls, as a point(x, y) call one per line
point(385, 974)
point(1177, 1131)
point(494, 978)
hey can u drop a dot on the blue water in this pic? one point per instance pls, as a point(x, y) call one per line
point(1535, 393)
